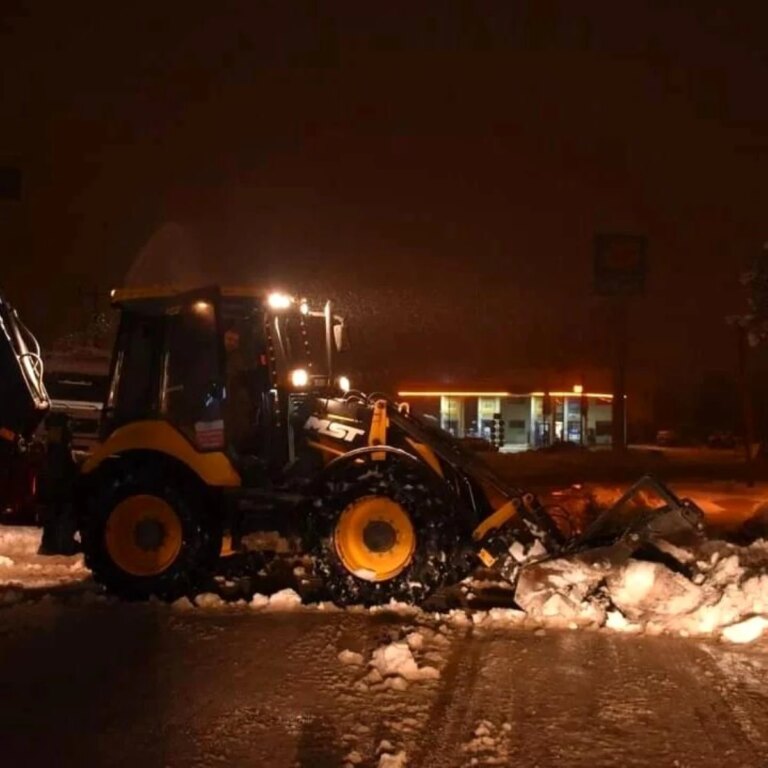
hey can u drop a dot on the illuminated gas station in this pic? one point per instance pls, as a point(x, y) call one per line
point(518, 421)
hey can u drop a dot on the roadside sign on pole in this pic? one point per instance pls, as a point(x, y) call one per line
point(620, 264)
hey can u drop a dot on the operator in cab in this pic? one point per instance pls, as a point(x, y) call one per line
point(238, 406)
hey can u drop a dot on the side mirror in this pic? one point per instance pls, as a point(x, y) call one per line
point(340, 337)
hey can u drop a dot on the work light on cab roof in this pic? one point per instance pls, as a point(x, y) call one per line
point(279, 300)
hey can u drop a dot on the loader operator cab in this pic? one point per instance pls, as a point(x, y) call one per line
point(223, 367)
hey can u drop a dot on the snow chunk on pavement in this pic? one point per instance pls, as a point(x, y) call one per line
point(746, 631)
point(398, 760)
point(5, 562)
point(486, 746)
point(182, 605)
point(209, 601)
point(397, 659)
point(394, 666)
point(351, 658)
point(284, 600)
point(495, 617)
point(399, 608)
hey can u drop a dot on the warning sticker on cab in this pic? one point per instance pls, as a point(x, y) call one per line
point(209, 435)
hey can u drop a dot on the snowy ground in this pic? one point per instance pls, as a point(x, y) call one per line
point(624, 663)
point(22, 570)
point(127, 685)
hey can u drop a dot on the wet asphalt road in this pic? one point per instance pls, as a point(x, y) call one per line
point(140, 685)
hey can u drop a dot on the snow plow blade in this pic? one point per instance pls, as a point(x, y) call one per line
point(630, 525)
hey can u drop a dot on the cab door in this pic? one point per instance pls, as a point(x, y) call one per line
point(191, 386)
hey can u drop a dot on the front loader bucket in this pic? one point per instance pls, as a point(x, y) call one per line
point(647, 513)
point(633, 519)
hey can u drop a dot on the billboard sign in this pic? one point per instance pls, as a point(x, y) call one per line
point(620, 264)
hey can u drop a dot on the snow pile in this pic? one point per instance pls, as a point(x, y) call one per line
point(642, 588)
point(182, 605)
point(562, 593)
point(394, 665)
point(396, 760)
point(22, 568)
point(404, 610)
point(209, 601)
point(389, 758)
point(258, 601)
point(284, 600)
point(350, 658)
point(746, 631)
point(726, 594)
point(20, 541)
point(353, 758)
point(488, 745)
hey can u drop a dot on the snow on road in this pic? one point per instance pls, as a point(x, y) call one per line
point(724, 592)
point(131, 685)
point(22, 569)
point(271, 682)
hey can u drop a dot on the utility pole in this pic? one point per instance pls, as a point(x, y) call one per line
point(619, 273)
point(619, 403)
point(748, 415)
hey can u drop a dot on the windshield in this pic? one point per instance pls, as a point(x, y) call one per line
point(301, 342)
point(77, 386)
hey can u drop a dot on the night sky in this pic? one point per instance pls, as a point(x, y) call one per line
point(442, 173)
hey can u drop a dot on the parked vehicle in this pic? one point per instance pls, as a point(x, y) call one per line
point(667, 437)
point(722, 439)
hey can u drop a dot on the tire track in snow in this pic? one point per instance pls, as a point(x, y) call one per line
point(739, 679)
point(449, 714)
point(256, 718)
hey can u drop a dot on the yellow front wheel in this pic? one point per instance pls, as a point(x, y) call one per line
point(386, 533)
point(375, 538)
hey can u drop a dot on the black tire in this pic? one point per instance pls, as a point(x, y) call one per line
point(440, 556)
point(201, 536)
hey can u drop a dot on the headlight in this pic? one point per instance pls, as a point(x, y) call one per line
point(279, 301)
point(344, 384)
point(304, 308)
point(202, 307)
point(299, 378)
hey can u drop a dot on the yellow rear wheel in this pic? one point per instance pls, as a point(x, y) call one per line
point(143, 535)
point(374, 538)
